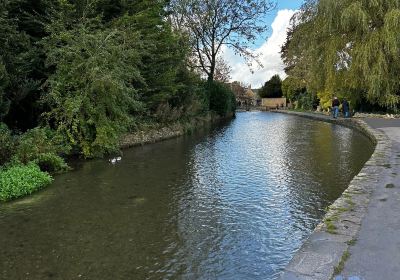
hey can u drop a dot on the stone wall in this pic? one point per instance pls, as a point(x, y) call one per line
point(161, 133)
point(273, 102)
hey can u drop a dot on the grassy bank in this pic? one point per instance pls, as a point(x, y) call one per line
point(30, 160)
point(21, 180)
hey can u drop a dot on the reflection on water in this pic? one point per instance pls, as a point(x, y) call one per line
point(232, 203)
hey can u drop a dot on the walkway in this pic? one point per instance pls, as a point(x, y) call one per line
point(376, 252)
point(359, 238)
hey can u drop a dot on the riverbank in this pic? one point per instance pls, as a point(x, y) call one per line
point(324, 254)
point(22, 179)
point(163, 132)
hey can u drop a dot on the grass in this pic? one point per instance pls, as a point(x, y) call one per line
point(339, 268)
point(340, 209)
point(330, 221)
point(351, 204)
point(330, 224)
point(20, 180)
point(352, 242)
point(346, 195)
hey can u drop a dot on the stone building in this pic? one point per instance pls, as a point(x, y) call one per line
point(245, 96)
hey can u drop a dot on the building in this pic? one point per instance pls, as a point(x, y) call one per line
point(274, 103)
point(245, 96)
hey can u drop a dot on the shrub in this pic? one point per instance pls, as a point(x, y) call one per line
point(52, 163)
point(222, 99)
point(39, 141)
point(20, 180)
point(7, 144)
point(91, 93)
point(307, 101)
point(166, 113)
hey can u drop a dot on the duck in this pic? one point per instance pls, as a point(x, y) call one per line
point(115, 160)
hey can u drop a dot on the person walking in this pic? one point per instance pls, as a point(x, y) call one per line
point(345, 108)
point(335, 107)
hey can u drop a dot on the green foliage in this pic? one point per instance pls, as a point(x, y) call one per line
point(271, 88)
point(91, 71)
point(222, 99)
point(306, 101)
point(349, 48)
point(7, 144)
point(4, 102)
point(292, 88)
point(52, 163)
point(161, 70)
point(20, 180)
point(91, 94)
point(21, 62)
point(39, 141)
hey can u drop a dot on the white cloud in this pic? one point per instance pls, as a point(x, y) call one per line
point(269, 55)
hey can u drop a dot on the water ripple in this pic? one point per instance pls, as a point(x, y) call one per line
point(234, 203)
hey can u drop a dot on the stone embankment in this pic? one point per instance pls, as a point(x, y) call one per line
point(324, 254)
point(156, 134)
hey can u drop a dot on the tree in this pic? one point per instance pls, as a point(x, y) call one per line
point(19, 62)
point(222, 71)
point(272, 88)
point(347, 48)
point(292, 88)
point(212, 24)
point(238, 88)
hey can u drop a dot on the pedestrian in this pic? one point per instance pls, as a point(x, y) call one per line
point(345, 108)
point(335, 107)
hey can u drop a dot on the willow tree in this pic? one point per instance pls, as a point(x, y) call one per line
point(348, 48)
point(212, 24)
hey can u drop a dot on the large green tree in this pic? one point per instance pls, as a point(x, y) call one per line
point(349, 48)
point(272, 88)
point(109, 72)
point(95, 69)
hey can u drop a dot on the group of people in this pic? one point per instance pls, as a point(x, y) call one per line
point(336, 105)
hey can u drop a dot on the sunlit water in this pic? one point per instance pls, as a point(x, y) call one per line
point(234, 202)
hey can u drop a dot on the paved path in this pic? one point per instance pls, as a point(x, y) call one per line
point(365, 241)
point(376, 253)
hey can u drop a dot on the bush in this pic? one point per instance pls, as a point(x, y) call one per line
point(52, 163)
point(222, 99)
point(20, 180)
point(39, 141)
point(7, 144)
point(91, 93)
point(307, 101)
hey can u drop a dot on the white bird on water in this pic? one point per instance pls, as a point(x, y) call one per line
point(115, 160)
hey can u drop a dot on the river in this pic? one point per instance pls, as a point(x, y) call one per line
point(234, 201)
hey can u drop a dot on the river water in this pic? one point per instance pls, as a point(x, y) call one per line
point(233, 202)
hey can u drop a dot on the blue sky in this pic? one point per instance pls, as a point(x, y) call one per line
point(267, 46)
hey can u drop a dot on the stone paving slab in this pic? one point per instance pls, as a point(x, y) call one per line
point(323, 254)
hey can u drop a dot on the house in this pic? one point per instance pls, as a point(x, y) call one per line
point(245, 96)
